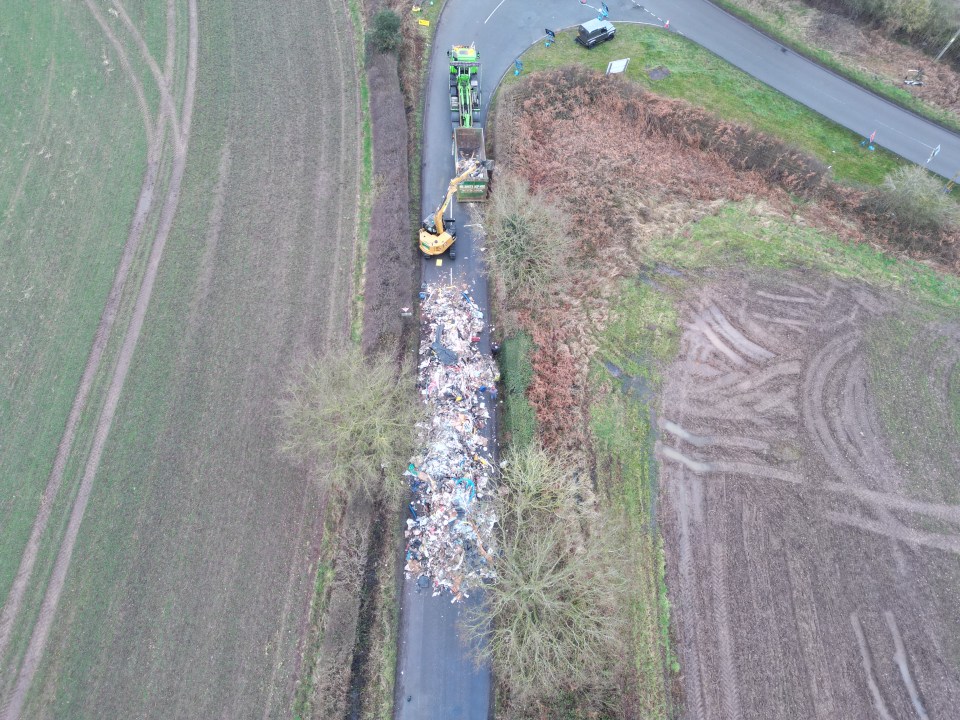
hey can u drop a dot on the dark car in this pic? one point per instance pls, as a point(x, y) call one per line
point(595, 32)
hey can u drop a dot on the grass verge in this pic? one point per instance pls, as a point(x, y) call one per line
point(738, 236)
point(519, 420)
point(874, 84)
point(385, 622)
point(702, 78)
point(303, 694)
point(642, 334)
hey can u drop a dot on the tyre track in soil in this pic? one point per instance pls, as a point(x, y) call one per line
point(345, 275)
point(754, 384)
point(849, 444)
point(783, 641)
point(144, 207)
point(729, 689)
point(41, 631)
point(866, 658)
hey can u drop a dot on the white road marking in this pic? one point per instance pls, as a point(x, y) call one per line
point(494, 10)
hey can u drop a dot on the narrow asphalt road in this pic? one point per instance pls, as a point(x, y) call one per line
point(436, 676)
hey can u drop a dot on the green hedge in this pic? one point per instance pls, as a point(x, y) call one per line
point(520, 423)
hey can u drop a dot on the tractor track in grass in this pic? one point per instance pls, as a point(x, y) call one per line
point(13, 706)
point(101, 338)
point(162, 79)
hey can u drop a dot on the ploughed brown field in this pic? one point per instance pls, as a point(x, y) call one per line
point(813, 558)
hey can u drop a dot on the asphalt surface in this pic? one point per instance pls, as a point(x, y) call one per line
point(436, 676)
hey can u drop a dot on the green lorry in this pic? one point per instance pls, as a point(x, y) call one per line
point(464, 85)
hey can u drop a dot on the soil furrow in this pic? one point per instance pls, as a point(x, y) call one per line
point(866, 658)
point(949, 543)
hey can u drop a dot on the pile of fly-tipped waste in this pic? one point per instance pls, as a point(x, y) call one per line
point(450, 541)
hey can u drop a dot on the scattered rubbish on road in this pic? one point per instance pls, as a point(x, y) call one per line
point(449, 534)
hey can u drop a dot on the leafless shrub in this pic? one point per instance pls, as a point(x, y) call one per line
point(529, 242)
point(552, 619)
point(356, 418)
point(914, 210)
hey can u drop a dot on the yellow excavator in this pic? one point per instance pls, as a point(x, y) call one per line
point(434, 237)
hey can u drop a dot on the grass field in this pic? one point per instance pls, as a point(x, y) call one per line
point(518, 421)
point(739, 235)
point(633, 348)
point(188, 584)
point(705, 80)
point(59, 259)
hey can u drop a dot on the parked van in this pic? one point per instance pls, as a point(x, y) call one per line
point(595, 32)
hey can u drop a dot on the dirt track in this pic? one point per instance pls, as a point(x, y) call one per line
point(807, 580)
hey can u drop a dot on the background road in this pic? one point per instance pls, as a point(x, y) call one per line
point(436, 677)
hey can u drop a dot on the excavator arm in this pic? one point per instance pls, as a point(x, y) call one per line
point(434, 237)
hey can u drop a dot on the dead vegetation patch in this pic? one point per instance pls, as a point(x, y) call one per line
point(391, 260)
point(626, 165)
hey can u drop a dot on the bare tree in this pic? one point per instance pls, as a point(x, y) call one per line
point(529, 243)
point(355, 417)
point(553, 620)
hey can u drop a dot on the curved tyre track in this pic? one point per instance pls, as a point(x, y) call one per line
point(161, 79)
point(38, 639)
point(773, 452)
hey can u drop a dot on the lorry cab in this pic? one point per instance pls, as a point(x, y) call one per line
point(595, 32)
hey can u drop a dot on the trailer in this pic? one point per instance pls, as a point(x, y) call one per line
point(468, 149)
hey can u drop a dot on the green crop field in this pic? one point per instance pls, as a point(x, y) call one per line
point(205, 166)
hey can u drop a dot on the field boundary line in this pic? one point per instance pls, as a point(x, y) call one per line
point(51, 599)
